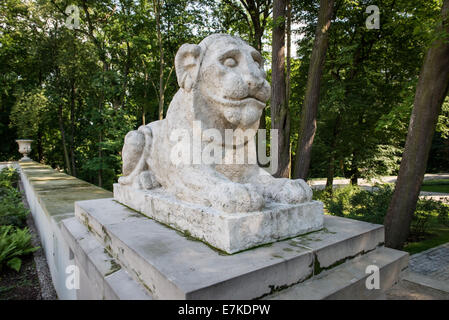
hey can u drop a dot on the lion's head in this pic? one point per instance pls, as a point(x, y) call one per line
point(226, 76)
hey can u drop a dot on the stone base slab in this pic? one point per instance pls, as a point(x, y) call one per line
point(102, 277)
point(229, 232)
point(172, 266)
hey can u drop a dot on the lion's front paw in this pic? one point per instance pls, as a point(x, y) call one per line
point(290, 191)
point(236, 197)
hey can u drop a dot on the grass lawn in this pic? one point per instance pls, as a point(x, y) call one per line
point(439, 185)
point(434, 238)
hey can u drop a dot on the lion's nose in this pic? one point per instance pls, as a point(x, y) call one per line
point(258, 87)
point(255, 76)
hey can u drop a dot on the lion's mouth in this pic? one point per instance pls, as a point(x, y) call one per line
point(239, 101)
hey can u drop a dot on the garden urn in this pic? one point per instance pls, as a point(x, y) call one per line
point(24, 148)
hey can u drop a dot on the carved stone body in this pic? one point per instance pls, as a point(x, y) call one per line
point(223, 86)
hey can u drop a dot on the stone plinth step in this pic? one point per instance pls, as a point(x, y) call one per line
point(103, 276)
point(348, 280)
point(172, 265)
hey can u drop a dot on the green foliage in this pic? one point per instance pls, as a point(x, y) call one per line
point(435, 209)
point(356, 203)
point(371, 206)
point(14, 244)
point(27, 113)
point(12, 210)
point(77, 92)
point(368, 84)
point(438, 185)
point(14, 241)
point(9, 178)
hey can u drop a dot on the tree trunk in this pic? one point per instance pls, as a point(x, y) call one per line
point(72, 126)
point(309, 111)
point(354, 172)
point(289, 48)
point(64, 145)
point(157, 12)
point(431, 90)
point(280, 116)
point(39, 144)
point(331, 159)
point(330, 172)
point(144, 97)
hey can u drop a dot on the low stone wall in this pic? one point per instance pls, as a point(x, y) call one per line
point(51, 196)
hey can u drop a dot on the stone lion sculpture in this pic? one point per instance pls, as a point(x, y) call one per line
point(223, 86)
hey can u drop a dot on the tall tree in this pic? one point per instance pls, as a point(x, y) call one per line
point(289, 48)
point(431, 91)
point(157, 11)
point(259, 11)
point(280, 116)
point(309, 111)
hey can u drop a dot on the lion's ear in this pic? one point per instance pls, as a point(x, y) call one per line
point(187, 62)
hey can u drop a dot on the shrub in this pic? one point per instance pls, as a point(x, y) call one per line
point(434, 208)
point(372, 205)
point(12, 210)
point(338, 202)
point(9, 178)
point(14, 244)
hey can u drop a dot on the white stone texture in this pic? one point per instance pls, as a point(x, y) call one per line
point(230, 232)
point(24, 148)
point(222, 86)
point(236, 205)
point(172, 266)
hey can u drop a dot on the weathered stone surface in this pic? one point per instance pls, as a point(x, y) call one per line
point(222, 86)
point(204, 153)
point(101, 276)
point(330, 247)
point(56, 192)
point(174, 266)
point(228, 232)
point(348, 281)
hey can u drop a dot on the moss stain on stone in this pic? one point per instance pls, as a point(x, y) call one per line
point(107, 238)
point(318, 269)
point(139, 279)
point(274, 288)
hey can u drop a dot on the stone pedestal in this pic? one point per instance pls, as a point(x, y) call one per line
point(229, 232)
point(330, 263)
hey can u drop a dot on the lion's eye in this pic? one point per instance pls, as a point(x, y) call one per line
point(230, 62)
